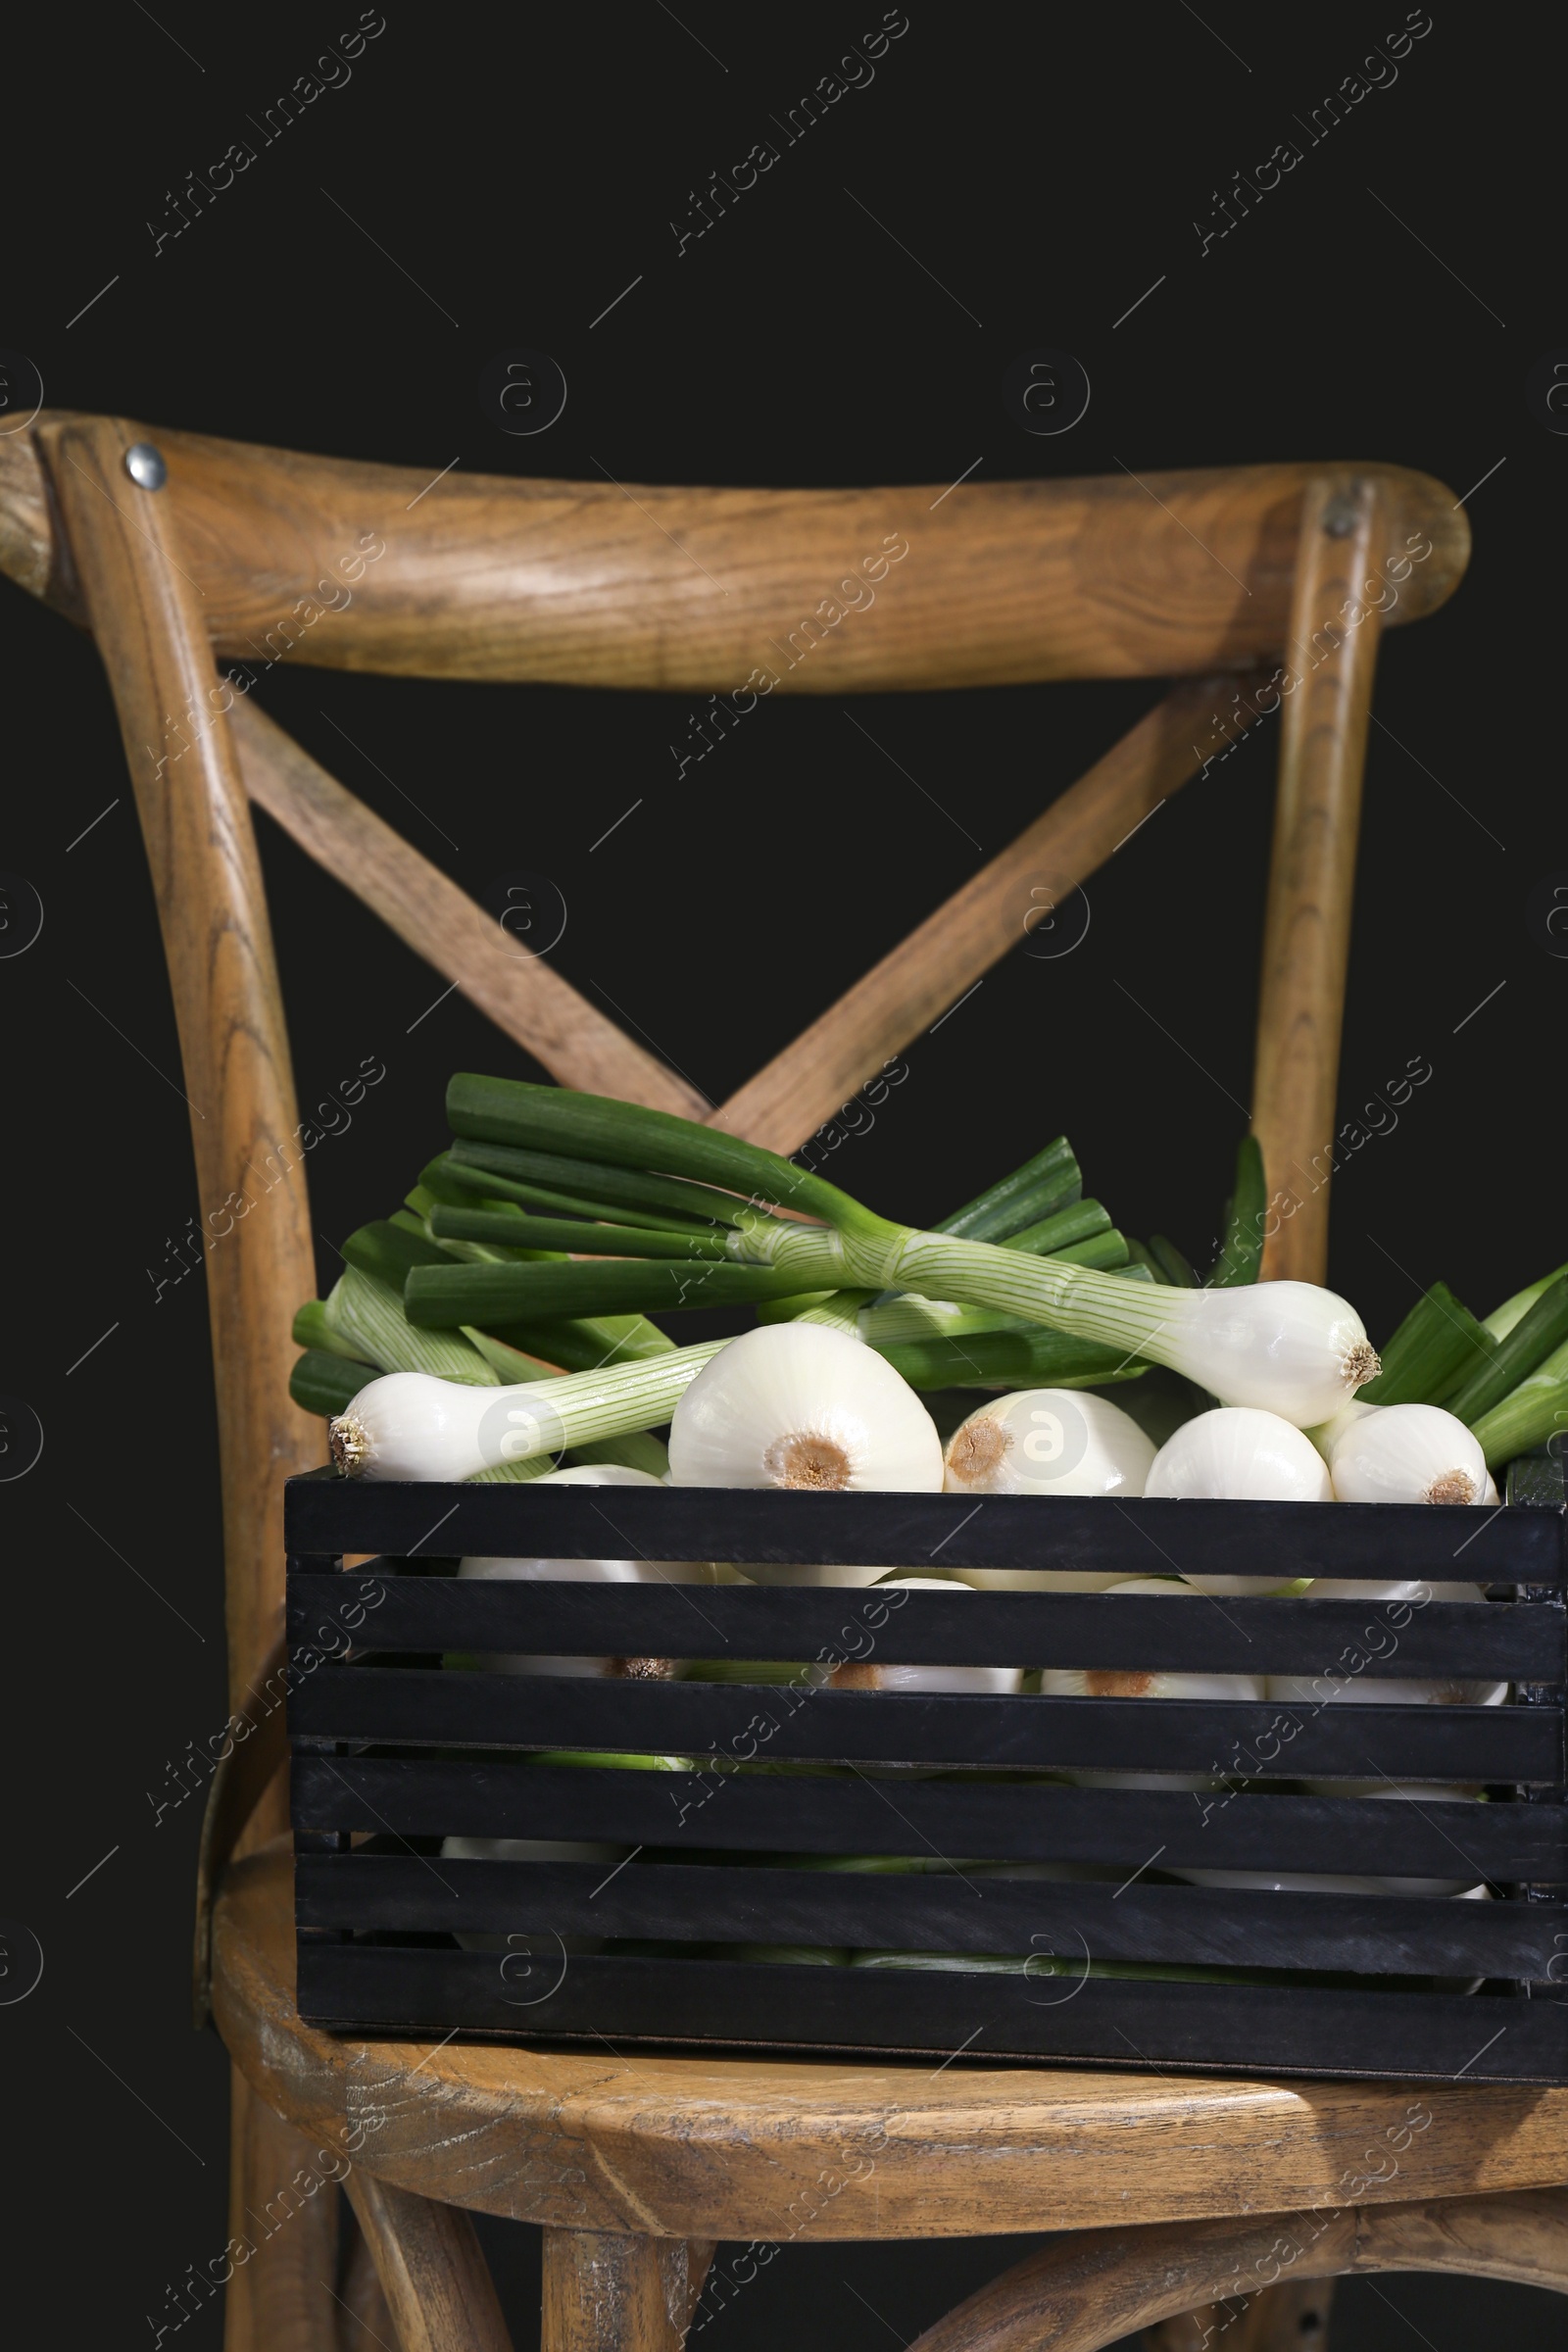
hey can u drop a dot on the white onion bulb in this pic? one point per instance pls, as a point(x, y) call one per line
point(1407, 1453)
point(1048, 1441)
point(1060, 1682)
point(868, 1675)
point(1243, 1454)
point(1328, 1434)
point(800, 1405)
point(410, 1425)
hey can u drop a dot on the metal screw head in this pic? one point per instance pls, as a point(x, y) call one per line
point(145, 465)
point(1340, 514)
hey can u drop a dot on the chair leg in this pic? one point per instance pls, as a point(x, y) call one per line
point(363, 2318)
point(1281, 2319)
point(431, 2267)
point(281, 2291)
point(604, 2292)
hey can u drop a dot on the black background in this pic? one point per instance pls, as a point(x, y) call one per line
point(1007, 182)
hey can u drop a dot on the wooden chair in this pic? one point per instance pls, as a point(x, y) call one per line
point(1251, 587)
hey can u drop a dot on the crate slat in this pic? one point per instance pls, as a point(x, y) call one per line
point(508, 1797)
point(324, 1515)
point(1378, 1935)
point(1304, 2030)
point(1479, 1639)
point(401, 1705)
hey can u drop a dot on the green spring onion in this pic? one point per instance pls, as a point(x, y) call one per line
point(326, 1383)
point(1536, 1410)
point(312, 1328)
point(1539, 1333)
point(1439, 1345)
point(1170, 1266)
point(1287, 1346)
point(443, 1297)
point(1033, 1359)
point(457, 1187)
point(389, 1252)
point(1503, 1319)
point(366, 1315)
point(514, 1230)
point(1240, 1254)
point(585, 1342)
point(615, 1182)
point(1042, 1186)
point(1050, 1235)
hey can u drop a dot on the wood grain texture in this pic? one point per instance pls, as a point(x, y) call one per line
point(522, 993)
point(32, 548)
point(431, 2268)
point(1522, 2238)
point(1278, 2319)
point(281, 2289)
point(737, 2147)
point(596, 583)
point(917, 982)
point(239, 1782)
point(1090, 2289)
point(611, 2291)
point(363, 2319)
point(1330, 655)
point(148, 618)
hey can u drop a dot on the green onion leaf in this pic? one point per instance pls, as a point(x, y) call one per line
point(388, 1252)
point(1439, 1345)
point(326, 1383)
point(671, 1198)
point(1170, 1263)
point(368, 1314)
point(593, 1127)
point(312, 1328)
point(1533, 1412)
point(441, 1298)
point(464, 1186)
point(1050, 1236)
point(1041, 1358)
point(585, 1343)
point(1049, 1182)
point(1503, 1319)
point(512, 1229)
point(1241, 1252)
point(1539, 1332)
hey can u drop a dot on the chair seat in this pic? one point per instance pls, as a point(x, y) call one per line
point(711, 2148)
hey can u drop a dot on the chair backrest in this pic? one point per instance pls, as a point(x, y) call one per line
point(1258, 588)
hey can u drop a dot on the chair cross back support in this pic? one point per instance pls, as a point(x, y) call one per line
point(1223, 581)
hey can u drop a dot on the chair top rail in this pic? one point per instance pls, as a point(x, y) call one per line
point(741, 590)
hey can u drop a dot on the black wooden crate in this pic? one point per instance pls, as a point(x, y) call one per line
point(390, 1749)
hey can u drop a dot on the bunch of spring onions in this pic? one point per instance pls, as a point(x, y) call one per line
point(362, 1328)
point(678, 1215)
